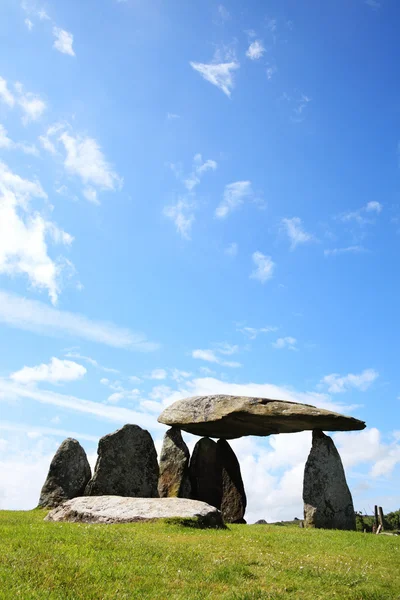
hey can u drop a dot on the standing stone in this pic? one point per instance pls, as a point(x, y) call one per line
point(174, 479)
point(327, 499)
point(126, 465)
point(233, 501)
point(206, 473)
point(68, 475)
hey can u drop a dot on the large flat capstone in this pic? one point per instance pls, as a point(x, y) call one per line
point(229, 417)
point(118, 509)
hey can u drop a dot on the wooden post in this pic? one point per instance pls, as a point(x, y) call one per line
point(376, 517)
point(380, 514)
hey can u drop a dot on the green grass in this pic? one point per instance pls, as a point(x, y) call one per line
point(165, 561)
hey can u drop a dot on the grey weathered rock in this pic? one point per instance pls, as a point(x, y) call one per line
point(206, 473)
point(126, 465)
point(117, 509)
point(327, 499)
point(68, 475)
point(233, 498)
point(174, 479)
point(261, 522)
point(228, 417)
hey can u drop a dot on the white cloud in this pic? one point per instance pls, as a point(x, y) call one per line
point(225, 348)
point(91, 195)
point(32, 105)
point(5, 95)
point(85, 159)
point(199, 168)
point(219, 74)
point(182, 215)
point(234, 196)
point(90, 361)
point(31, 315)
point(223, 12)
point(56, 371)
point(232, 249)
point(347, 250)
point(255, 50)
point(29, 24)
point(63, 41)
point(123, 395)
point(338, 384)
point(5, 141)
point(24, 235)
point(253, 332)
point(158, 374)
point(8, 144)
point(77, 405)
point(211, 356)
point(374, 206)
point(265, 267)
point(172, 116)
point(285, 342)
point(271, 70)
point(295, 232)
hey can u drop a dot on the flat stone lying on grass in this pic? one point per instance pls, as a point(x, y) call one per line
point(230, 417)
point(118, 509)
point(68, 475)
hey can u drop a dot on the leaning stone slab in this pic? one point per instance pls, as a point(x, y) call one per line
point(174, 479)
point(233, 499)
point(327, 499)
point(116, 509)
point(126, 465)
point(68, 475)
point(229, 417)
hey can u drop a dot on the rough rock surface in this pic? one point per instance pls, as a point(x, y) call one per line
point(206, 473)
point(126, 465)
point(116, 509)
point(327, 499)
point(233, 499)
point(68, 475)
point(230, 417)
point(261, 522)
point(174, 479)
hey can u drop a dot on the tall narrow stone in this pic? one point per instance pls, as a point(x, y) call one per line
point(205, 473)
point(174, 479)
point(233, 500)
point(126, 465)
point(68, 475)
point(327, 499)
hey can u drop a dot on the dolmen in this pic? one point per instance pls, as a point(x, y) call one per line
point(215, 472)
point(129, 484)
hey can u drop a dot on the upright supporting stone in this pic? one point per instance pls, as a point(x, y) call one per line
point(126, 465)
point(68, 475)
point(205, 473)
point(174, 479)
point(327, 499)
point(233, 501)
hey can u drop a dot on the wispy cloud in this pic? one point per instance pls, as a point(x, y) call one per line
point(297, 235)
point(8, 144)
point(32, 105)
point(265, 267)
point(375, 4)
point(232, 249)
point(234, 196)
point(223, 12)
point(5, 95)
point(212, 356)
point(63, 41)
point(56, 371)
point(285, 342)
point(338, 384)
point(362, 216)
point(252, 332)
point(40, 318)
point(91, 361)
point(346, 250)
point(199, 168)
point(220, 74)
point(256, 50)
point(182, 214)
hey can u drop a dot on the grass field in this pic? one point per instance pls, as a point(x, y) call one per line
point(164, 561)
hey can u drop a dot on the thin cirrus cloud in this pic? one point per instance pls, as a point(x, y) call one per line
point(220, 74)
point(6, 143)
point(37, 317)
point(363, 215)
point(212, 357)
point(296, 233)
point(285, 342)
point(252, 332)
point(182, 215)
point(235, 195)
point(199, 168)
point(63, 41)
point(55, 372)
point(264, 267)
point(345, 250)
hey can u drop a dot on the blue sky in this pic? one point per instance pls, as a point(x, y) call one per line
point(199, 198)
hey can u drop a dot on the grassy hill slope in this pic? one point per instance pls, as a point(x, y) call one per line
point(40, 560)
